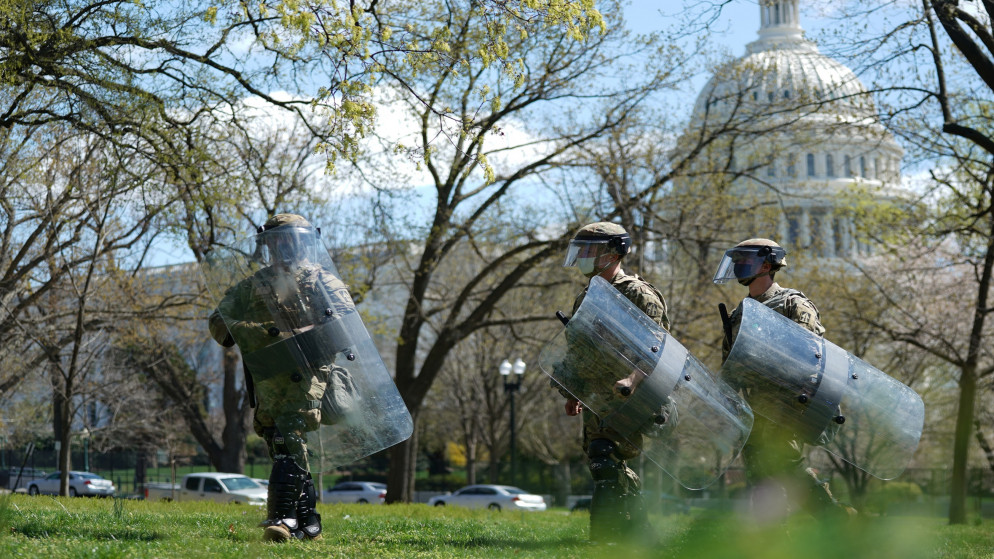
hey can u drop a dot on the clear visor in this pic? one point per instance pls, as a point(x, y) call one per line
point(586, 248)
point(286, 245)
point(738, 264)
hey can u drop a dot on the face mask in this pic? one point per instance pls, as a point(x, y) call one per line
point(586, 266)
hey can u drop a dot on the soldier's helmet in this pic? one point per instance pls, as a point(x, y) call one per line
point(595, 240)
point(288, 238)
point(743, 261)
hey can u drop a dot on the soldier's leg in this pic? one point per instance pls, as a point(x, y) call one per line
point(608, 515)
point(286, 484)
point(818, 500)
point(307, 515)
point(637, 529)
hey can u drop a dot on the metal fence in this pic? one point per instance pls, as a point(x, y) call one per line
point(130, 470)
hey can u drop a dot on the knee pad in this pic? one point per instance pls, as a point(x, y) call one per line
point(284, 443)
point(603, 466)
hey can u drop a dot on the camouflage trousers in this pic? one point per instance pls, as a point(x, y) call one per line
point(288, 409)
point(628, 481)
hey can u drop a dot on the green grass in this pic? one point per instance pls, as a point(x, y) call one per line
point(107, 528)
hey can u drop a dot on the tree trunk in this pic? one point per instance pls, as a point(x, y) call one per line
point(563, 482)
point(403, 466)
point(61, 424)
point(237, 418)
point(470, 463)
point(984, 444)
point(961, 444)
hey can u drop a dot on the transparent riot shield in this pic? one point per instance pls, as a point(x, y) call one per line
point(826, 395)
point(668, 404)
point(316, 373)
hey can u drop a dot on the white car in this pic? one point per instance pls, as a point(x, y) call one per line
point(210, 486)
point(361, 492)
point(80, 484)
point(493, 497)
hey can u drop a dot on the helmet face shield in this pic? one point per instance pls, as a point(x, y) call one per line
point(583, 253)
point(286, 246)
point(739, 263)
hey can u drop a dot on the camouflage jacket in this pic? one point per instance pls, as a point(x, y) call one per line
point(286, 300)
point(641, 293)
point(644, 296)
point(789, 302)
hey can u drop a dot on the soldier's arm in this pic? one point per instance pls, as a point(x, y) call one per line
point(226, 308)
point(219, 330)
point(229, 320)
point(806, 314)
point(652, 304)
point(728, 341)
point(336, 293)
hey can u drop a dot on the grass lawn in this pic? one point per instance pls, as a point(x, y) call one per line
point(75, 527)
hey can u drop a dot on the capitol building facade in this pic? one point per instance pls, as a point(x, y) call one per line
point(787, 136)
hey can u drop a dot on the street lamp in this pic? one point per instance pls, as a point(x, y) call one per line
point(512, 383)
point(85, 435)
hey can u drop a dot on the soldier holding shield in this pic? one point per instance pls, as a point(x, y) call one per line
point(773, 455)
point(641, 392)
point(296, 326)
point(616, 506)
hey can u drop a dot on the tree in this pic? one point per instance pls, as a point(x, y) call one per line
point(70, 224)
point(148, 75)
point(933, 64)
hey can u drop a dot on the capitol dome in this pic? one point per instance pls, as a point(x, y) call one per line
point(790, 130)
point(782, 67)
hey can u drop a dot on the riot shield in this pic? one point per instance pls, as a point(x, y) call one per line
point(672, 408)
point(825, 395)
point(315, 370)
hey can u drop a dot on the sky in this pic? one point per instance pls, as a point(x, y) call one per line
point(738, 22)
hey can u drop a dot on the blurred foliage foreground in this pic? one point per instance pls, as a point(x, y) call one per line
point(64, 527)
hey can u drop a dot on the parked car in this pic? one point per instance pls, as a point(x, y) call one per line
point(80, 484)
point(361, 492)
point(210, 486)
point(19, 476)
point(583, 503)
point(493, 497)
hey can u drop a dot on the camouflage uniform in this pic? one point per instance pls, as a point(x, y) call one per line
point(254, 302)
point(618, 486)
point(282, 300)
point(773, 451)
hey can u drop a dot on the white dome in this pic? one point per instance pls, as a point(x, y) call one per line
point(782, 69)
point(789, 129)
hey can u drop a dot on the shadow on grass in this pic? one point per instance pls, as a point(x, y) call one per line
point(79, 525)
point(86, 534)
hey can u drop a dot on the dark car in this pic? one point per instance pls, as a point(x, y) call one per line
point(583, 503)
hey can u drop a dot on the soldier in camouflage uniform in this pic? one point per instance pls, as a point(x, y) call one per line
point(773, 455)
point(617, 510)
point(287, 297)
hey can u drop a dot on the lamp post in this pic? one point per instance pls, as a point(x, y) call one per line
point(512, 383)
point(85, 435)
